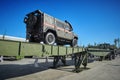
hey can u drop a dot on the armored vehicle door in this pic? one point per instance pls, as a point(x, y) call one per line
point(68, 32)
point(60, 29)
point(48, 22)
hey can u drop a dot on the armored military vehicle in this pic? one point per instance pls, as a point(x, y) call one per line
point(43, 27)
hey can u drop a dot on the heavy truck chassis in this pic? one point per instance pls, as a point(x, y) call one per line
point(41, 27)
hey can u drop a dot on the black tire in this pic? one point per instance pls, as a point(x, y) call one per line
point(50, 38)
point(32, 20)
point(74, 42)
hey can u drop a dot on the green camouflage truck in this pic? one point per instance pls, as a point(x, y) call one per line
point(41, 27)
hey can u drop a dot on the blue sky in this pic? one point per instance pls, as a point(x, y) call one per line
point(93, 20)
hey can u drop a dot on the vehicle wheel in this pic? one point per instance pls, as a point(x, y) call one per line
point(50, 38)
point(74, 43)
point(31, 20)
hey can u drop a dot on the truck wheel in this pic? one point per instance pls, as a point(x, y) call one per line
point(74, 43)
point(31, 20)
point(50, 38)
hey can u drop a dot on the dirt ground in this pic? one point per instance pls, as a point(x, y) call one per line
point(25, 70)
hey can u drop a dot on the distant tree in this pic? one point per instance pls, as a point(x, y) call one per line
point(115, 42)
point(83, 46)
point(95, 44)
point(4, 34)
point(118, 42)
point(89, 45)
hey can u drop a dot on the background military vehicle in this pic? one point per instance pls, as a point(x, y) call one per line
point(43, 27)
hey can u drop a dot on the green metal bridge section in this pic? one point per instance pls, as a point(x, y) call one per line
point(98, 52)
point(21, 49)
point(12, 48)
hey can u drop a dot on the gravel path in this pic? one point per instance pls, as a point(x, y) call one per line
point(25, 70)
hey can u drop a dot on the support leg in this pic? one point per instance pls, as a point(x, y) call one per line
point(55, 62)
point(63, 59)
point(36, 62)
point(1, 58)
point(85, 61)
point(78, 62)
point(80, 58)
point(46, 59)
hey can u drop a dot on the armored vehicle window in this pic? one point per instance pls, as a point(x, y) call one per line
point(49, 19)
point(59, 24)
point(67, 28)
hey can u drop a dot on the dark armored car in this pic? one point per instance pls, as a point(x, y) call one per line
point(43, 27)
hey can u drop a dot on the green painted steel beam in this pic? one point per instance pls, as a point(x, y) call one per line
point(12, 48)
point(98, 52)
point(31, 49)
point(9, 48)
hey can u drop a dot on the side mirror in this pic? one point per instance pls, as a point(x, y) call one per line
point(71, 29)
